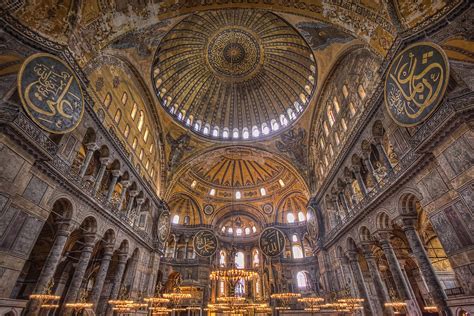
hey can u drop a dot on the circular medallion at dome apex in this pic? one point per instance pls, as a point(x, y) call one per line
point(234, 74)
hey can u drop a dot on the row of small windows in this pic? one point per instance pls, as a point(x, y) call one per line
point(246, 132)
point(238, 194)
point(141, 118)
point(290, 217)
point(239, 231)
point(332, 119)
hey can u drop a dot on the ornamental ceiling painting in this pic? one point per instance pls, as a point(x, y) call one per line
point(234, 93)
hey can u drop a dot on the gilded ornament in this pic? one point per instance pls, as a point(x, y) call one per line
point(205, 243)
point(272, 241)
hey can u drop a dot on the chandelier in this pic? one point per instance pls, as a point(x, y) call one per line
point(285, 298)
point(233, 275)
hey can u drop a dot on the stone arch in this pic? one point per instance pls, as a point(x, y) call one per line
point(408, 204)
point(364, 234)
point(382, 221)
point(351, 245)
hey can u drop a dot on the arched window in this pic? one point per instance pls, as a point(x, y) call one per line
point(124, 98)
point(151, 149)
point(126, 132)
point(247, 231)
point(265, 129)
point(302, 280)
point(141, 154)
point(230, 230)
point(331, 151)
point(331, 117)
point(361, 91)
point(134, 144)
point(206, 129)
point(107, 100)
point(255, 131)
point(345, 91)
point(283, 120)
point(344, 124)
point(235, 133)
point(255, 258)
point(240, 260)
point(212, 192)
point(186, 220)
point(263, 192)
point(175, 219)
point(146, 134)
point(197, 125)
point(297, 251)
point(290, 218)
point(254, 229)
point(275, 125)
point(238, 195)
point(308, 216)
point(291, 114)
point(245, 133)
point(147, 166)
point(294, 238)
point(238, 231)
point(222, 287)
point(301, 216)
point(215, 131)
point(133, 114)
point(326, 129)
point(337, 107)
point(321, 141)
point(225, 133)
point(141, 118)
point(336, 138)
point(118, 116)
point(352, 109)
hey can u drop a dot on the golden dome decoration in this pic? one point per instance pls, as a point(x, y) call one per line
point(234, 74)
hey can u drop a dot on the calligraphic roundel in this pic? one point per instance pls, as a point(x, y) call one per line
point(164, 226)
point(205, 243)
point(272, 241)
point(416, 83)
point(50, 93)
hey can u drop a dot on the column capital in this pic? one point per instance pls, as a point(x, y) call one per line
point(140, 201)
point(108, 249)
point(133, 193)
point(125, 183)
point(104, 160)
point(89, 239)
point(92, 146)
point(382, 236)
point(115, 173)
point(407, 222)
point(352, 255)
point(122, 257)
point(356, 169)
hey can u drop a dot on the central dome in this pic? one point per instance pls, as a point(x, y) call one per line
point(234, 74)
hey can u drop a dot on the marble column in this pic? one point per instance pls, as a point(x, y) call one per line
point(117, 280)
point(393, 265)
point(360, 181)
point(125, 184)
point(347, 274)
point(302, 245)
point(383, 154)
point(342, 197)
point(370, 169)
point(101, 275)
point(113, 182)
point(175, 247)
point(104, 161)
point(132, 194)
point(50, 264)
point(337, 208)
point(359, 280)
point(80, 270)
point(382, 295)
point(186, 245)
point(91, 147)
point(408, 225)
point(140, 202)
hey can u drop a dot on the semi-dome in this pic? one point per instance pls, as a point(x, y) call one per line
point(234, 74)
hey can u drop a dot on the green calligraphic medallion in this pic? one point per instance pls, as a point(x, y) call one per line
point(416, 83)
point(50, 93)
point(272, 241)
point(164, 226)
point(205, 243)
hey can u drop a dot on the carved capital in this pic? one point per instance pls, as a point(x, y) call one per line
point(92, 146)
point(407, 222)
point(115, 173)
point(104, 160)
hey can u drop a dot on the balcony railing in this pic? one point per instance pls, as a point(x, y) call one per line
point(87, 188)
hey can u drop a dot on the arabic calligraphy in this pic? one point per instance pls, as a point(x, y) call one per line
point(416, 83)
point(205, 243)
point(163, 226)
point(272, 241)
point(50, 93)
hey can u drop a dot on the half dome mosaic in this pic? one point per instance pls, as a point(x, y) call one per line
point(234, 74)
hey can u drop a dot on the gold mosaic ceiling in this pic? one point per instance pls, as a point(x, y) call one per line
point(234, 74)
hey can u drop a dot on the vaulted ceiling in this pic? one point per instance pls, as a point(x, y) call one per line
point(234, 95)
